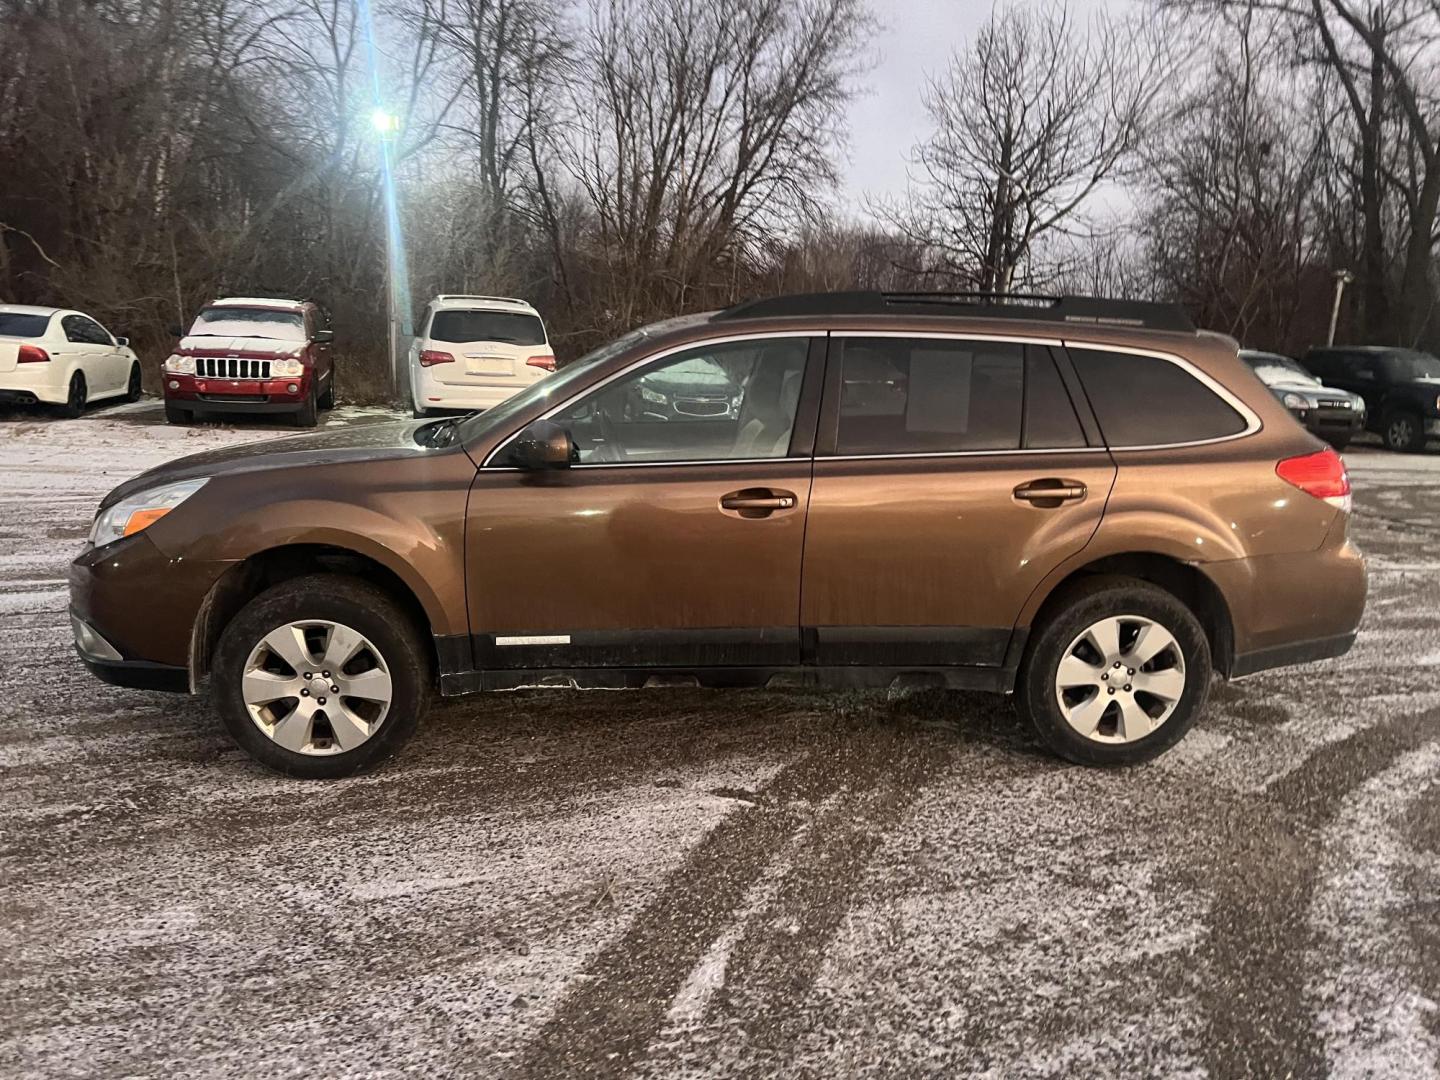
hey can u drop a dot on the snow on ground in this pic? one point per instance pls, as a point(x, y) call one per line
point(677, 883)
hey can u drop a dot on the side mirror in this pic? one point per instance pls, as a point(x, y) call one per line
point(324, 337)
point(543, 445)
point(123, 342)
point(176, 331)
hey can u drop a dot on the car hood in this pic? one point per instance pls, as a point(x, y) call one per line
point(363, 442)
point(249, 347)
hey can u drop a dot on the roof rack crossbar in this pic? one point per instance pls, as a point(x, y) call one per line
point(1085, 310)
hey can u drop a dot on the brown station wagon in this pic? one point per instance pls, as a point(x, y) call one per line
point(1085, 502)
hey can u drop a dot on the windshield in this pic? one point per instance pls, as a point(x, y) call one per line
point(556, 388)
point(21, 324)
point(249, 322)
point(1412, 365)
point(459, 327)
point(1277, 370)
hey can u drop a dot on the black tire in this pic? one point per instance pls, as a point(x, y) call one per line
point(133, 388)
point(1403, 431)
point(419, 413)
point(1338, 442)
point(307, 415)
point(1069, 616)
point(352, 603)
point(75, 397)
point(174, 414)
point(327, 399)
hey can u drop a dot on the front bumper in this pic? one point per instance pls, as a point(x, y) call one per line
point(1334, 423)
point(134, 610)
point(237, 395)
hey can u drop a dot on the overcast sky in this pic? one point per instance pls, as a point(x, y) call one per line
point(915, 43)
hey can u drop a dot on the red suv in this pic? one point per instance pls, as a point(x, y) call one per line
point(252, 355)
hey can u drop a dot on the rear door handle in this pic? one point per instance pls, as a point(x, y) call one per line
point(1050, 492)
point(758, 502)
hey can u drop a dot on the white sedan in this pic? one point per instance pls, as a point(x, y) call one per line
point(60, 357)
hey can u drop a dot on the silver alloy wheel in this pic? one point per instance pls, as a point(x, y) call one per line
point(316, 687)
point(1401, 432)
point(1120, 679)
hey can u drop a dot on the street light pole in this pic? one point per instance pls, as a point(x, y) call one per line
point(1342, 278)
point(387, 124)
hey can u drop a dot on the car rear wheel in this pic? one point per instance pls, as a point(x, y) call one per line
point(74, 397)
point(321, 676)
point(327, 399)
point(1404, 431)
point(132, 388)
point(1116, 674)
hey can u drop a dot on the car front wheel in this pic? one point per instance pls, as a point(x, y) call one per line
point(321, 676)
point(1116, 673)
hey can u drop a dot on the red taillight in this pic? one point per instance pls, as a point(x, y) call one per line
point(1321, 474)
point(431, 357)
point(547, 362)
point(32, 354)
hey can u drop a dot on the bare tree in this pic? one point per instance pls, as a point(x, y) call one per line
point(1030, 122)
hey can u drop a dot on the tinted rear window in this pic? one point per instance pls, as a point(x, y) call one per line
point(512, 328)
point(1050, 420)
point(1147, 401)
point(16, 325)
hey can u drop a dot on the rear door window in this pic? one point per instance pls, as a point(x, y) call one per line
point(507, 327)
point(939, 395)
point(1149, 401)
point(923, 395)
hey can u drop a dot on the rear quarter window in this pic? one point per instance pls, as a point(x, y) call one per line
point(1148, 401)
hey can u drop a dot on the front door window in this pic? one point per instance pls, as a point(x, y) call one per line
point(724, 402)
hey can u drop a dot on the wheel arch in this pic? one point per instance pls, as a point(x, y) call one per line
point(251, 576)
point(1186, 581)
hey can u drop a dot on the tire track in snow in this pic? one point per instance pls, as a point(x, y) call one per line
point(1372, 1020)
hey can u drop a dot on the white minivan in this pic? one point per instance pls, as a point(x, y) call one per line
point(473, 352)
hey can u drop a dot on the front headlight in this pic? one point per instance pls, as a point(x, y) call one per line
point(287, 369)
point(141, 510)
point(180, 365)
point(1295, 401)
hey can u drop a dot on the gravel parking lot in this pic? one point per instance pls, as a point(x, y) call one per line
point(679, 883)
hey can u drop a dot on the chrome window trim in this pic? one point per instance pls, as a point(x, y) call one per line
point(1252, 422)
point(651, 358)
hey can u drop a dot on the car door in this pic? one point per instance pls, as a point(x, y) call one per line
point(111, 359)
point(674, 540)
point(952, 474)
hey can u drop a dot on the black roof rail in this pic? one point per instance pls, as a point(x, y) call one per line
point(1084, 310)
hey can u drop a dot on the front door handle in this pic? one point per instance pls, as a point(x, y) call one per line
point(758, 502)
point(1050, 492)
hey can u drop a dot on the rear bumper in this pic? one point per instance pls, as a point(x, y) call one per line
point(430, 393)
point(34, 384)
point(1293, 608)
point(139, 675)
point(237, 395)
point(1300, 652)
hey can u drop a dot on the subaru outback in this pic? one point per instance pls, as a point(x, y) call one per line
point(1086, 503)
